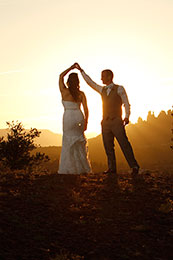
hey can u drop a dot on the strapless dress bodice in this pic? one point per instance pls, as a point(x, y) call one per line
point(70, 105)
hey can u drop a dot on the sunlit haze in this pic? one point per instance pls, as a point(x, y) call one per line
point(41, 38)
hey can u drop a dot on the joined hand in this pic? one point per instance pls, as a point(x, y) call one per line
point(77, 66)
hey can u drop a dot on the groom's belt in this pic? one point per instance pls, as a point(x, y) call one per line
point(111, 117)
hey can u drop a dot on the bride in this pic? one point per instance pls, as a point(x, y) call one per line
point(74, 153)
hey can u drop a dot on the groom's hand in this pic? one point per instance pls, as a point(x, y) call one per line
point(73, 66)
point(125, 121)
point(77, 66)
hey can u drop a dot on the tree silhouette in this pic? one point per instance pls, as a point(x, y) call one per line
point(15, 151)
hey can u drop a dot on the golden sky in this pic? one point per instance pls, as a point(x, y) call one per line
point(41, 38)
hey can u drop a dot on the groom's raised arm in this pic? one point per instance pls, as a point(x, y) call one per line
point(91, 83)
point(88, 80)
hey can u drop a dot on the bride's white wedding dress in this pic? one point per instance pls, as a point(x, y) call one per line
point(74, 153)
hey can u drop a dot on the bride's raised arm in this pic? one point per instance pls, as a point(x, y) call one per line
point(62, 86)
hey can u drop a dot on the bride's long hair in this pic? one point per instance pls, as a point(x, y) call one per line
point(73, 86)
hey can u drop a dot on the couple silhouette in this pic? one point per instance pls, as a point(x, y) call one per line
point(74, 155)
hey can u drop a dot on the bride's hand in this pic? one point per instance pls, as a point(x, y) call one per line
point(77, 66)
point(85, 125)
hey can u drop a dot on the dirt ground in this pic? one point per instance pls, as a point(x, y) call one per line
point(90, 217)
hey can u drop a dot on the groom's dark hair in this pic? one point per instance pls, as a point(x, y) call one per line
point(109, 73)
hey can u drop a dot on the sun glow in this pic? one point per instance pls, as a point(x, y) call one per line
point(136, 44)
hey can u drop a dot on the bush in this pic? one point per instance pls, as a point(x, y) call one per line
point(15, 150)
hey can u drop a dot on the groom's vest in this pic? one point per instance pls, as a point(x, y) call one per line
point(112, 103)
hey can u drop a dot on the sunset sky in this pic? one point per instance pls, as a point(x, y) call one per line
point(41, 38)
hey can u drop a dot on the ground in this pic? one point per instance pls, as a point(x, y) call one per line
point(90, 217)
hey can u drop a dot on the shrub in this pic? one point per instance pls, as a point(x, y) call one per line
point(15, 150)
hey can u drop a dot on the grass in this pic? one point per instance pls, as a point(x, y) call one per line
point(87, 217)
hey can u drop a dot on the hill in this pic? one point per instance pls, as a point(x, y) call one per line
point(87, 217)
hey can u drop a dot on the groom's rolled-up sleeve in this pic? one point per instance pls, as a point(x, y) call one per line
point(91, 83)
point(122, 93)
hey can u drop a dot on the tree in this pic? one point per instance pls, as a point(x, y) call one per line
point(15, 150)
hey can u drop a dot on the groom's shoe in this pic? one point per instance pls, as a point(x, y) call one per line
point(110, 172)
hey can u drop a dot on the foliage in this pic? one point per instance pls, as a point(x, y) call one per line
point(15, 150)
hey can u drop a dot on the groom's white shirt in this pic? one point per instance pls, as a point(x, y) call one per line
point(121, 92)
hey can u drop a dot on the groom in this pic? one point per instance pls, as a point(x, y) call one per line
point(113, 97)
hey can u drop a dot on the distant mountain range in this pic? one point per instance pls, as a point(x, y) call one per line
point(151, 141)
point(154, 131)
point(47, 138)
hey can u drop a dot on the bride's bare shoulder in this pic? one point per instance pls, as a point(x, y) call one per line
point(82, 93)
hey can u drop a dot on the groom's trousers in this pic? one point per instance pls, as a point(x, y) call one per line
point(114, 128)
